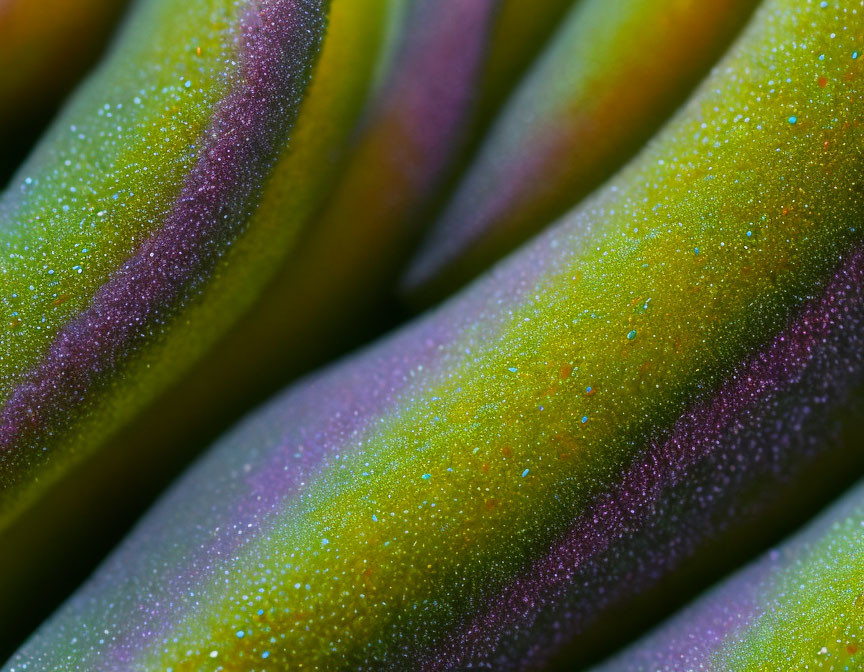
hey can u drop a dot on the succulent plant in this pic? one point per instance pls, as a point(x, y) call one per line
point(656, 373)
point(592, 99)
point(800, 607)
point(629, 406)
point(199, 225)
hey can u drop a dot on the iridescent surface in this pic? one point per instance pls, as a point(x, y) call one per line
point(377, 511)
point(415, 115)
point(72, 385)
point(121, 216)
point(418, 117)
point(195, 361)
point(592, 99)
point(800, 607)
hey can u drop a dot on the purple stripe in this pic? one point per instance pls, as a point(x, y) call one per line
point(419, 117)
point(278, 39)
point(490, 209)
point(427, 102)
point(821, 345)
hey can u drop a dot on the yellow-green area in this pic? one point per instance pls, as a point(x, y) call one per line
point(650, 293)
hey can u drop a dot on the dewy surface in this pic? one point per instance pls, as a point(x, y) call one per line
point(376, 512)
point(589, 102)
point(800, 607)
point(121, 217)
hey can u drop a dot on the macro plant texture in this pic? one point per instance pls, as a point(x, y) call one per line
point(801, 603)
point(634, 227)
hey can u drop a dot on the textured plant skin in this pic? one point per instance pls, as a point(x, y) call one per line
point(121, 429)
point(593, 98)
point(286, 258)
point(420, 115)
point(412, 123)
point(293, 284)
point(385, 512)
point(421, 109)
point(800, 607)
point(94, 284)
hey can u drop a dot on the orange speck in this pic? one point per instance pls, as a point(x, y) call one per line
point(197, 51)
point(506, 451)
point(484, 467)
point(851, 649)
point(491, 503)
point(785, 211)
point(567, 445)
point(822, 81)
point(590, 392)
point(15, 323)
point(826, 143)
point(647, 365)
point(565, 371)
point(63, 298)
point(367, 572)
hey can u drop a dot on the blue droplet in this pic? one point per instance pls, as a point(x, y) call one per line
point(584, 419)
point(240, 634)
point(793, 119)
point(266, 654)
point(513, 369)
point(631, 335)
point(374, 517)
point(823, 4)
point(695, 250)
point(854, 55)
point(426, 477)
point(588, 390)
point(749, 234)
point(525, 473)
